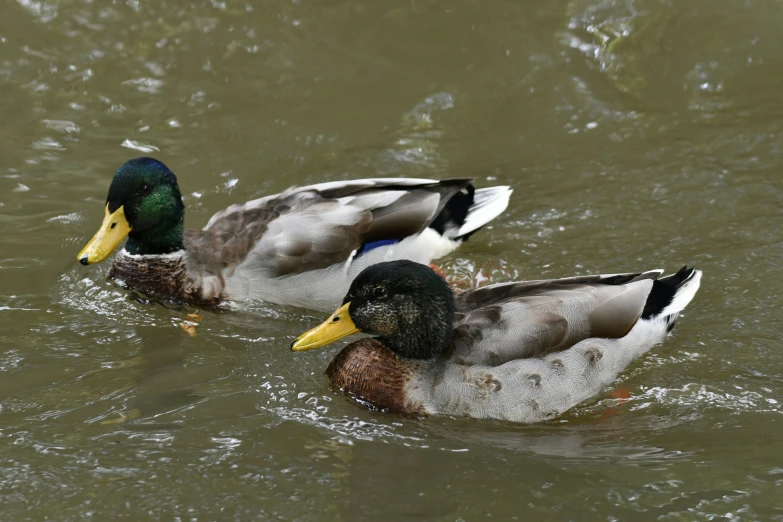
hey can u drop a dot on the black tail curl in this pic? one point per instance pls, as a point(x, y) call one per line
point(664, 291)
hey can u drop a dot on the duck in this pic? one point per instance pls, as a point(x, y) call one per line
point(525, 351)
point(302, 247)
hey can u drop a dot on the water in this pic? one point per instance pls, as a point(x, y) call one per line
point(637, 135)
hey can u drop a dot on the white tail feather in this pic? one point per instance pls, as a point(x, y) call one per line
point(684, 295)
point(488, 203)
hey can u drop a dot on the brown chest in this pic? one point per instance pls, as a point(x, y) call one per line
point(162, 276)
point(368, 370)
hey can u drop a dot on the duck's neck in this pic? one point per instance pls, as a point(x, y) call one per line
point(164, 239)
point(418, 345)
point(424, 335)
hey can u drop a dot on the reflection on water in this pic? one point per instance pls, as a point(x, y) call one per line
point(636, 134)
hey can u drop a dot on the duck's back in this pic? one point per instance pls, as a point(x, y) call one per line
point(303, 247)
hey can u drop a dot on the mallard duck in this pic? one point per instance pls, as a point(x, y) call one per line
point(302, 247)
point(522, 351)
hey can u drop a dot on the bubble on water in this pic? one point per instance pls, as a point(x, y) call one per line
point(136, 145)
point(66, 219)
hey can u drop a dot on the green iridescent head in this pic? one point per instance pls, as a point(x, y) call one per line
point(144, 204)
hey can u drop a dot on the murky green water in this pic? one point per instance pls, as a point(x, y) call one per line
point(637, 134)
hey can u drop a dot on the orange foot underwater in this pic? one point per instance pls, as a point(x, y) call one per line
point(468, 277)
point(623, 395)
point(435, 268)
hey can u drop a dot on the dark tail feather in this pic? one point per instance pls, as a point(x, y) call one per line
point(671, 294)
point(454, 211)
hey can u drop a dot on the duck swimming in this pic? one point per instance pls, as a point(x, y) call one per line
point(302, 247)
point(521, 351)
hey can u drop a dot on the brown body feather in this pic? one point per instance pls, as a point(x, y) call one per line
point(209, 254)
point(368, 370)
point(165, 277)
point(228, 241)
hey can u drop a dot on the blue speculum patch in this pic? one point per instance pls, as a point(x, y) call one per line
point(375, 244)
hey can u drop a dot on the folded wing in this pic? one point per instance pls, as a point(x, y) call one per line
point(504, 322)
point(323, 225)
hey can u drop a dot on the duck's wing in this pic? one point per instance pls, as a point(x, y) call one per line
point(335, 223)
point(302, 225)
point(504, 322)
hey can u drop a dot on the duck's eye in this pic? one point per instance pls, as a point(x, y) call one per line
point(146, 189)
point(379, 292)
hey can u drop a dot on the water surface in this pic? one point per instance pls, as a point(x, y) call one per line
point(637, 135)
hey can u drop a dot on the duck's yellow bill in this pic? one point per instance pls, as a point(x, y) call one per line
point(113, 230)
point(339, 325)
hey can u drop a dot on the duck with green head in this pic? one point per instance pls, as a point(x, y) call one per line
point(521, 351)
point(301, 247)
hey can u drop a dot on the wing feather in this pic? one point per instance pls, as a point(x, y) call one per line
point(315, 232)
point(505, 322)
